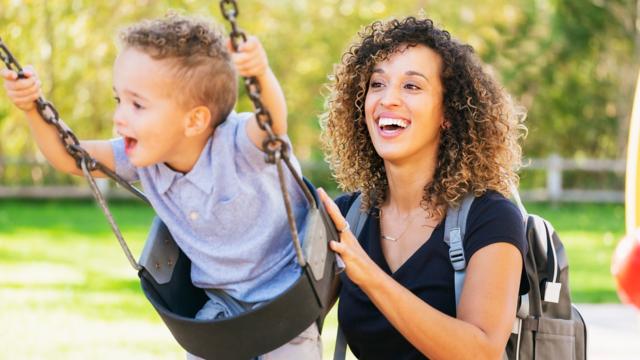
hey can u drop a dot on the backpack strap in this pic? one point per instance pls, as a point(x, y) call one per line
point(516, 198)
point(356, 220)
point(355, 217)
point(454, 228)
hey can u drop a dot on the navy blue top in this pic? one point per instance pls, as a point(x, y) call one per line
point(427, 273)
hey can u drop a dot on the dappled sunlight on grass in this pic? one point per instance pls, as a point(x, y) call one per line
point(39, 274)
point(36, 328)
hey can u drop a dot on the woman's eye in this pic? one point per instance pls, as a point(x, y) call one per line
point(412, 86)
point(375, 84)
point(137, 106)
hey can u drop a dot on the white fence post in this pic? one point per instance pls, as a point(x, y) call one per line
point(554, 177)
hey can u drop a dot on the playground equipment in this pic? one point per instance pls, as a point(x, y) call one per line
point(626, 260)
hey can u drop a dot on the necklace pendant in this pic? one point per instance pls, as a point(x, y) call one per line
point(389, 238)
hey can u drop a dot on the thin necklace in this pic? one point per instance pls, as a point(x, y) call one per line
point(408, 221)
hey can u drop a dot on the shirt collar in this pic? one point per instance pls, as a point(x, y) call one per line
point(202, 173)
point(166, 177)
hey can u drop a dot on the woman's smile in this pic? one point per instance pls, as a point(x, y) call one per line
point(391, 126)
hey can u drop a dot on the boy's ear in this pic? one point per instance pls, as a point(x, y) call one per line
point(197, 121)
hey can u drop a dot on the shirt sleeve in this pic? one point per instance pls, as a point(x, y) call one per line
point(493, 219)
point(123, 167)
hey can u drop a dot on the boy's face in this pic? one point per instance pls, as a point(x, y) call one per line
point(148, 115)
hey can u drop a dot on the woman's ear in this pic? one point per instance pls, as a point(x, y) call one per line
point(197, 121)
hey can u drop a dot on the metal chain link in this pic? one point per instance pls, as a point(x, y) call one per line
point(83, 159)
point(272, 143)
point(275, 148)
point(50, 115)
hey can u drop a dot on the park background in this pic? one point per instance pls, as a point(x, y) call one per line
point(66, 289)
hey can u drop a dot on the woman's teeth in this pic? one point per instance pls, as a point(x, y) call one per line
point(392, 123)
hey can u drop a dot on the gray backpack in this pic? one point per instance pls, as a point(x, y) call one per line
point(547, 325)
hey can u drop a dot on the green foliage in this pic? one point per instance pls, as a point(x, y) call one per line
point(571, 63)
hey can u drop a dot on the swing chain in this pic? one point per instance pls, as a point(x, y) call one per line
point(49, 113)
point(83, 159)
point(272, 144)
point(7, 57)
point(275, 148)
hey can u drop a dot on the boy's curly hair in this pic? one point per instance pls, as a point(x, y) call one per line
point(196, 52)
point(479, 148)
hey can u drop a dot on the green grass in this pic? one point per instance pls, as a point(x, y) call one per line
point(68, 292)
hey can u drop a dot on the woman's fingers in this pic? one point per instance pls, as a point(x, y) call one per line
point(333, 211)
point(338, 247)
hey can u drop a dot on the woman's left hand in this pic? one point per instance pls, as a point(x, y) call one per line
point(358, 265)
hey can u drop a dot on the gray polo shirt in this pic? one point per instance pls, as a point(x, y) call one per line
point(226, 214)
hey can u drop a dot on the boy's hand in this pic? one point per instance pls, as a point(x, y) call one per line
point(22, 92)
point(251, 58)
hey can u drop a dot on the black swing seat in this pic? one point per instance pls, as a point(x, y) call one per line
point(166, 281)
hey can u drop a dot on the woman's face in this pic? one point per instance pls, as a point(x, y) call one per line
point(403, 106)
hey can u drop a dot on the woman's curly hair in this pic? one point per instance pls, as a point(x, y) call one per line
point(478, 148)
point(198, 57)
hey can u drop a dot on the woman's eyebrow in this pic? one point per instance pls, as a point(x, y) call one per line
point(408, 73)
point(416, 73)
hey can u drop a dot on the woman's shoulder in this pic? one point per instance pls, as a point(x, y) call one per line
point(494, 218)
point(493, 202)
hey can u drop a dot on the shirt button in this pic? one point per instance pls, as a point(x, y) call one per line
point(194, 215)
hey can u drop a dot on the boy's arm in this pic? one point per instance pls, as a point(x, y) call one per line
point(23, 93)
point(251, 60)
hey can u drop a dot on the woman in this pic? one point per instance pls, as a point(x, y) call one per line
point(414, 124)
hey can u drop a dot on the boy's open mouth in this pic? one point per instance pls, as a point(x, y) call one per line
point(129, 144)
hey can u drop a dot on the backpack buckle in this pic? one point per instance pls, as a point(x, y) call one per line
point(456, 252)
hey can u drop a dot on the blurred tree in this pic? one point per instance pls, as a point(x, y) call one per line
point(571, 63)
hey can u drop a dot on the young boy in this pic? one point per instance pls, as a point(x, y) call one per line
point(199, 162)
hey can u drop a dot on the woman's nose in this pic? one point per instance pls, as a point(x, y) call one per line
point(390, 97)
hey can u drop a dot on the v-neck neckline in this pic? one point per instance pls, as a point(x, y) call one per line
point(382, 260)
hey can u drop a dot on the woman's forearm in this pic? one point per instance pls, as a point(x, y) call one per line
point(433, 333)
